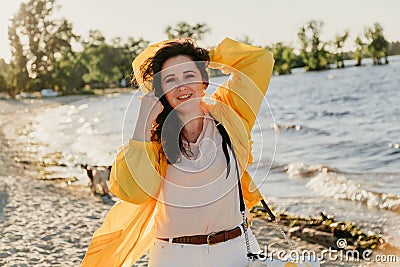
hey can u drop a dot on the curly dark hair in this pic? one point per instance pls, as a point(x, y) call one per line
point(167, 126)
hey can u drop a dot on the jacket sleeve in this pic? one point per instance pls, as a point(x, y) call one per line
point(251, 69)
point(135, 172)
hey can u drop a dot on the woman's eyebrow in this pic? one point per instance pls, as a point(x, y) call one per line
point(168, 76)
point(185, 72)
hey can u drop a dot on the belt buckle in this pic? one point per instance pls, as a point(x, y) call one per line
point(209, 236)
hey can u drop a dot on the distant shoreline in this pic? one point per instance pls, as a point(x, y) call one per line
point(99, 92)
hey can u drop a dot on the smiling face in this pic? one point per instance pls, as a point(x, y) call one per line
point(182, 83)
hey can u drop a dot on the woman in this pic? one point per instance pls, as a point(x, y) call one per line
point(177, 176)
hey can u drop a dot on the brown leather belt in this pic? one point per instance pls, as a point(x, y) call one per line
point(210, 239)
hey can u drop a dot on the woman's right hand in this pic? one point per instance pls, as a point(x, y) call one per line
point(150, 107)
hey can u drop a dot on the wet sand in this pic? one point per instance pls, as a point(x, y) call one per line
point(47, 223)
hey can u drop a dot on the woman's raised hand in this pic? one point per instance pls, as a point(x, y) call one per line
point(150, 107)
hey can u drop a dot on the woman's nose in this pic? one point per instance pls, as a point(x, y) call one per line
point(181, 87)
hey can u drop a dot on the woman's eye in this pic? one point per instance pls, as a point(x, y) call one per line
point(190, 76)
point(169, 80)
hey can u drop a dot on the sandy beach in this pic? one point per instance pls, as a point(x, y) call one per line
point(48, 223)
point(41, 223)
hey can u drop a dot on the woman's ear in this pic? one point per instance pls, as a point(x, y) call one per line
point(205, 85)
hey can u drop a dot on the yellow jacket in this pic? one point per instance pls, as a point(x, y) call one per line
point(138, 170)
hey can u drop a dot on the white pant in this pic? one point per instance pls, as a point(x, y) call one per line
point(230, 253)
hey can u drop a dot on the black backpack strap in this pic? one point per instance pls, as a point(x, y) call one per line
point(226, 141)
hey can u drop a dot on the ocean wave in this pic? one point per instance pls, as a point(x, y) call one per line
point(335, 114)
point(344, 99)
point(298, 128)
point(301, 170)
point(336, 185)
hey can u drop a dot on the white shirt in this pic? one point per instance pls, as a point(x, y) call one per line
point(197, 197)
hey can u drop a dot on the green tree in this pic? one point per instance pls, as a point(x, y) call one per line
point(394, 48)
point(95, 39)
point(37, 40)
point(360, 50)
point(108, 63)
point(4, 71)
point(378, 46)
point(183, 29)
point(99, 58)
point(17, 76)
point(285, 58)
point(127, 53)
point(313, 52)
point(246, 40)
point(68, 72)
point(339, 43)
point(4, 66)
point(3, 84)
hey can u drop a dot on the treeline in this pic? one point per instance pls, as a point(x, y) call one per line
point(43, 55)
point(316, 54)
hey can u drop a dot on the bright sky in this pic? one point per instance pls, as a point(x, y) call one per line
point(264, 21)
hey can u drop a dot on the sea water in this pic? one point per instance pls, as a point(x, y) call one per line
point(323, 141)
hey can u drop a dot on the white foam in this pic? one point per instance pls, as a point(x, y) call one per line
point(335, 185)
point(301, 170)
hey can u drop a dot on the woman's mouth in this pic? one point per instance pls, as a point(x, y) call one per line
point(183, 97)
